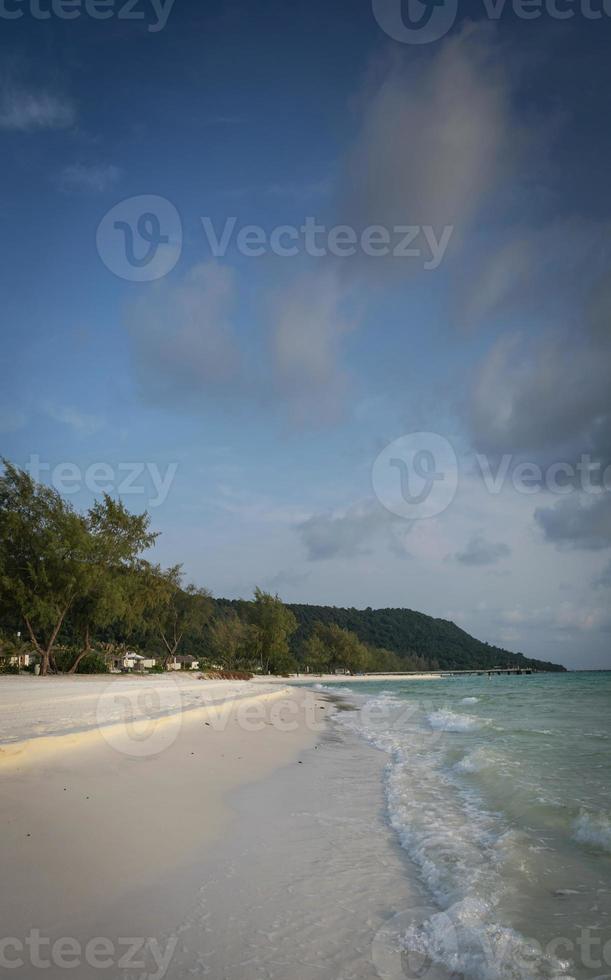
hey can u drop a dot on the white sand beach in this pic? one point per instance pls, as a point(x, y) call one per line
point(215, 823)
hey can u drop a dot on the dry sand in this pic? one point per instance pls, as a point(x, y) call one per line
point(238, 837)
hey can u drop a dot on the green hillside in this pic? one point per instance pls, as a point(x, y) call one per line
point(409, 634)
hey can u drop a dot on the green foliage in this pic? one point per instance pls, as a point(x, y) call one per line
point(44, 557)
point(273, 624)
point(92, 663)
point(231, 641)
point(178, 613)
point(111, 590)
point(330, 647)
point(417, 641)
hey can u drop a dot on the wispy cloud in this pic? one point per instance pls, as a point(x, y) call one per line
point(183, 337)
point(350, 533)
point(83, 177)
point(436, 137)
point(479, 551)
point(81, 422)
point(24, 110)
point(308, 322)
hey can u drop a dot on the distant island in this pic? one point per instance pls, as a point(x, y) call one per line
point(420, 642)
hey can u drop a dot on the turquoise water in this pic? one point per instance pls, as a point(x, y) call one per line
point(500, 791)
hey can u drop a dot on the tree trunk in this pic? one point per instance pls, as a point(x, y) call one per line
point(170, 655)
point(45, 653)
point(170, 647)
point(86, 649)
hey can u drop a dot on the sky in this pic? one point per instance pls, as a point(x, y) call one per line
point(325, 288)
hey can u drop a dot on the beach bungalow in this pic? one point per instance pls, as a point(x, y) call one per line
point(131, 661)
point(20, 660)
point(186, 662)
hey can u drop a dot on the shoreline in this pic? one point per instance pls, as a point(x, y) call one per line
point(35, 712)
point(359, 678)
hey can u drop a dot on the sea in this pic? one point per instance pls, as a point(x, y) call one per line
point(499, 791)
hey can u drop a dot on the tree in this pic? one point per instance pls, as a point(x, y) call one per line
point(179, 611)
point(315, 654)
point(44, 557)
point(230, 640)
point(335, 647)
point(274, 625)
point(116, 539)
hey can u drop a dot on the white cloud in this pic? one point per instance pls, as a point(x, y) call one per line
point(95, 177)
point(480, 551)
point(565, 616)
point(23, 110)
point(351, 532)
point(307, 326)
point(435, 137)
point(183, 337)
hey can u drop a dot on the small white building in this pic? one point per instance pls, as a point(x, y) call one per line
point(20, 660)
point(133, 661)
point(183, 663)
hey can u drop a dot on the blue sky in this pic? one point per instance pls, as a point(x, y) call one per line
point(244, 400)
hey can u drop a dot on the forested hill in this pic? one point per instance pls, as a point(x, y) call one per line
point(411, 634)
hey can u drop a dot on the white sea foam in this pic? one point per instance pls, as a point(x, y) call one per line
point(466, 940)
point(593, 829)
point(332, 689)
point(445, 720)
point(469, 700)
point(472, 854)
point(475, 761)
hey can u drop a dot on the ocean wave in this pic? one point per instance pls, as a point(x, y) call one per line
point(469, 700)
point(461, 849)
point(445, 720)
point(467, 941)
point(333, 689)
point(593, 829)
